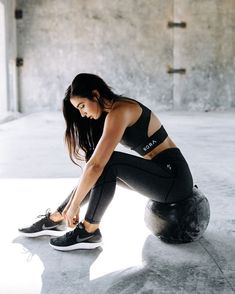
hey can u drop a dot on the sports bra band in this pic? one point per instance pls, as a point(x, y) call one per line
point(153, 141)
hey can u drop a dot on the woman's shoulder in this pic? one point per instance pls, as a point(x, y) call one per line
point(128, 110)
point(126, 105)
point(126, 102)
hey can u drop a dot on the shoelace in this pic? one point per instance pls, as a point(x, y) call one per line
point(44, 215)
point(73, 232)
point(41, 216)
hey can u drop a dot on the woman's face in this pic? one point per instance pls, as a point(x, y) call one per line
point(88, 108)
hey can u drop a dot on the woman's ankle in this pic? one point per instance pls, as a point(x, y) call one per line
point(90, 228)
point(56, 216)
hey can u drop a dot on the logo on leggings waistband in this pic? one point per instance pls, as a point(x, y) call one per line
point(148, 146)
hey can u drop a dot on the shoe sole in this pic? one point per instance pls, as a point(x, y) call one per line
point(77, 246)
point(43, 233)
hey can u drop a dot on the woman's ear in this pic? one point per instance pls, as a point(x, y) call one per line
point(95, 94)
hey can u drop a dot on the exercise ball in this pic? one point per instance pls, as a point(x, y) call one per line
point(179, 222)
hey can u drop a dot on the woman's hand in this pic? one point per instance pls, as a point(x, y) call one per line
point(71, 215)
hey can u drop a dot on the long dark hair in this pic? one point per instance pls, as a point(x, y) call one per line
point(81, 132)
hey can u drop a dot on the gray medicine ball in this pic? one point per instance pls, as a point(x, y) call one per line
point(180, 222)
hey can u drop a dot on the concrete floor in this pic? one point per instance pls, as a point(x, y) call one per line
point(35, 173)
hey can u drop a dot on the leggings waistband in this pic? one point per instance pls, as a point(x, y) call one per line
point(168, 155)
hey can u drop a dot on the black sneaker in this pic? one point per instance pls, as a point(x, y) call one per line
point(78, 238)
point(44, 227)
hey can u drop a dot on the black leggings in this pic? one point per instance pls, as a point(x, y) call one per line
point(166, 178)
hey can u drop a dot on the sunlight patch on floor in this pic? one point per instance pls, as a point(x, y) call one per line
point(123, 228)
point(124, 234)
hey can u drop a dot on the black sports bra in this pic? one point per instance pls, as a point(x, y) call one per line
point(136, 136)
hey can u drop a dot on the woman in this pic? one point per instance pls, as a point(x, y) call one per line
point(97, 120)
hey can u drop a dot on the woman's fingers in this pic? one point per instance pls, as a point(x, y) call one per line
point(71, 221)
point(71, 216)
point(75, 220)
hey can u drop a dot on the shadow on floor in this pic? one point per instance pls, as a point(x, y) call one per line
point(185, 268)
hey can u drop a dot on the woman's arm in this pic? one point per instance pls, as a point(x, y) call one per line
point(115, 124)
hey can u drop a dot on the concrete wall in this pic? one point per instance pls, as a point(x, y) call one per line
point(129, 44)
point(126, 42)
point(3, 70)
point(206, 48)
point(10, 57)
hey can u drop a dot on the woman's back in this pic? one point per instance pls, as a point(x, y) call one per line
point(143, 124)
